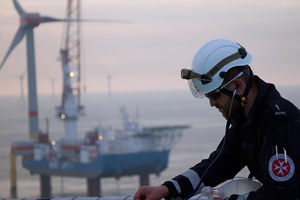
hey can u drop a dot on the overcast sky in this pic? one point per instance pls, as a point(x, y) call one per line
point(148, 53)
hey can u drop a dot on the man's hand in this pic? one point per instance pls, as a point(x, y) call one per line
point(151, 193)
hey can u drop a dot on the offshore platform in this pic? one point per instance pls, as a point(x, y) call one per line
point(103, 152)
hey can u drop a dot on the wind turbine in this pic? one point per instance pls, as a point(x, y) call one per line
point(109, 77)
point(28, 21)
point(109, 93)
point(22, 99)
point(53, 87)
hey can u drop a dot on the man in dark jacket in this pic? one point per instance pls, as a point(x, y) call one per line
point(263, 129)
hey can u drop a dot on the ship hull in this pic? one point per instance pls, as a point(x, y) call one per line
point(108, 165)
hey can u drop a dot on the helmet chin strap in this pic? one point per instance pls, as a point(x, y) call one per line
point(242, 99)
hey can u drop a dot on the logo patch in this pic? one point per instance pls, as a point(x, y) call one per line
point(281, 169)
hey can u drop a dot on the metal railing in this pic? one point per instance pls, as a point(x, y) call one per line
point(96, 198)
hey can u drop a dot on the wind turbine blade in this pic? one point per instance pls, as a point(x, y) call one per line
point(104, 20)
point(52, 19)
point(19, 8)
point(18, 37)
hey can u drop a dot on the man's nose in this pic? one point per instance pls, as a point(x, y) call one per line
point(212, 102)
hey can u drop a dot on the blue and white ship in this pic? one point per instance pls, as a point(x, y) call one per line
point(104, 152)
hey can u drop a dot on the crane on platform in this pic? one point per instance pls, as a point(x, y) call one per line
point(71, 107)
point(70, 56)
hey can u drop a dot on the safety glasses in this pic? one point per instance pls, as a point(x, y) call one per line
point(214, 95)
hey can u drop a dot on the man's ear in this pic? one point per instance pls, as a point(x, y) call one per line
point(238, 86)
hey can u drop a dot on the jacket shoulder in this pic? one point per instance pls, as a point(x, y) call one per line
point(281, 107)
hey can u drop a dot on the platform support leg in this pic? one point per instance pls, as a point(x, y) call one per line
point(45, 184)
point(144, 179)
point(93, 187)
point(13, 176)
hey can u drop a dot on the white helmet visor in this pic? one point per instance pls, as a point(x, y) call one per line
point(195, 90)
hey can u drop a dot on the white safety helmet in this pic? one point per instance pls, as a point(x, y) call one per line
point(210, 64)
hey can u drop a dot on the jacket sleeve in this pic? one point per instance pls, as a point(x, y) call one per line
point(225, 167)
point(184, 184)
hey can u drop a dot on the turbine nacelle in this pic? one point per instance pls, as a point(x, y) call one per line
point(31, 19)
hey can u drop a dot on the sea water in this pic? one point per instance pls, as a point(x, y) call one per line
point(159, 108)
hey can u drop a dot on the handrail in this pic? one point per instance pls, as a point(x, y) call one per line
point(95, 198)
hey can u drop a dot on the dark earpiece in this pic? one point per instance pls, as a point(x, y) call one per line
point(222, 74)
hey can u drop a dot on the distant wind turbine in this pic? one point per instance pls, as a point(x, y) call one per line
point(53, 86)
point(109, 80)
point(22, 98)
point(109, 94)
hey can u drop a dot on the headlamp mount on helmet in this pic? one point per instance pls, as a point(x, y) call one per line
point(189, 74)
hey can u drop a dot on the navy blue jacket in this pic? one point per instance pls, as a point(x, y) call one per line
point(267, 142)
